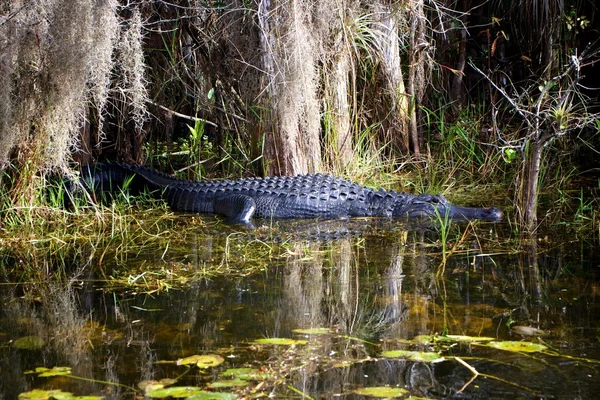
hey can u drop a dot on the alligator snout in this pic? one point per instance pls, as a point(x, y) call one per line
point(495, 214)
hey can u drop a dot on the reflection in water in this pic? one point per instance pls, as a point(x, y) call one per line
point(373, 285)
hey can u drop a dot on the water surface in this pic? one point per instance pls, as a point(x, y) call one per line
point(119, 313)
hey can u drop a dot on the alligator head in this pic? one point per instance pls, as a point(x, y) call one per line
point(427, 205)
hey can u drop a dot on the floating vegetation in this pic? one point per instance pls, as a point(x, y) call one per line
point(382, 392)
point(56, 394)
point(148, 385)
point(202, 361)
point(433, 339)
point(252, 374)
point(280, 341)
point(518, 347)
point(313, 331)
point(423, 356)
point(48, 372)
point(228, 383)
point(188, 392)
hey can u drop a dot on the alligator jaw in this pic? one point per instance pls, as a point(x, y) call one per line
point(468, 213)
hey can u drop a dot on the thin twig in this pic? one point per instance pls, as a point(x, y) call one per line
point(182, 115)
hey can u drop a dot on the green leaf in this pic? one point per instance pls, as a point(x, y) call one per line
point(280, 341)
point(429, 339)
point(38, 394)
point(56, 371)
point(147, 385)
point(202, 361)
point(519, 347)
point(423, 356)
point(382, 391)
point(178, 392)
point(228, 383)
point(313, 331)
point(213, 396)
point(247, 374)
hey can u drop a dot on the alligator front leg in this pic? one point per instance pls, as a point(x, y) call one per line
point(238, 208)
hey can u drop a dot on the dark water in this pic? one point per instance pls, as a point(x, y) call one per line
point(120, 313)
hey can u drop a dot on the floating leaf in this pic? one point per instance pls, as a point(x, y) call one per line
point(382, 391)
point(520, 347)
point(313, 331)
point(210, 360)
point(428, 339)
point(56, 371)
point(424, 356)
point(202, 361)
point(46, 372)
point(29, 343)
point(280, 341)
point(80, 398)
point(38, 394)
point(228, 383)
point(178, 392)
point(344, 364)
point(247, 374)
point(213, 396)
point(147, 385)
point(465, 338)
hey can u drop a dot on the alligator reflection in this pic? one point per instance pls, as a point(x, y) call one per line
point(372, 284)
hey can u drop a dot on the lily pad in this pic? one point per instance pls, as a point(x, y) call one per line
point(47, 372)
point(178, 392)
point(213, 396)
point(29, 343)
point(228, 383)
point(148, 385)
point(38, 394)
point(247, 374)
point(202, 361)
point(519, 347)
point(313, 331)
point(280, 341)
point(428, 339)
point(424, 356)
point(382, 392)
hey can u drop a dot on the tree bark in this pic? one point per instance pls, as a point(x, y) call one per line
point(400, 117)
point(293, 146)
point(416, 74)
point(529, 198)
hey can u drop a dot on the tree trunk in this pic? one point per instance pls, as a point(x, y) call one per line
point(293, 146)
point(416, 74)
point(456, 94)
point(338, 133)
point(400, 120)
point(529, 194)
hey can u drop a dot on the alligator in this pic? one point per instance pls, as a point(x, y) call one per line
point(301, 196)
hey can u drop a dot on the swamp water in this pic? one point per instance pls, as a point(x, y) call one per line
point(336, 309)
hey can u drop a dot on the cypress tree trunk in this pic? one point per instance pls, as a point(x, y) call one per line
point(400, 117)
point(416, 74)
point(291, 55)
point(338, 133)
point(529, 192)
